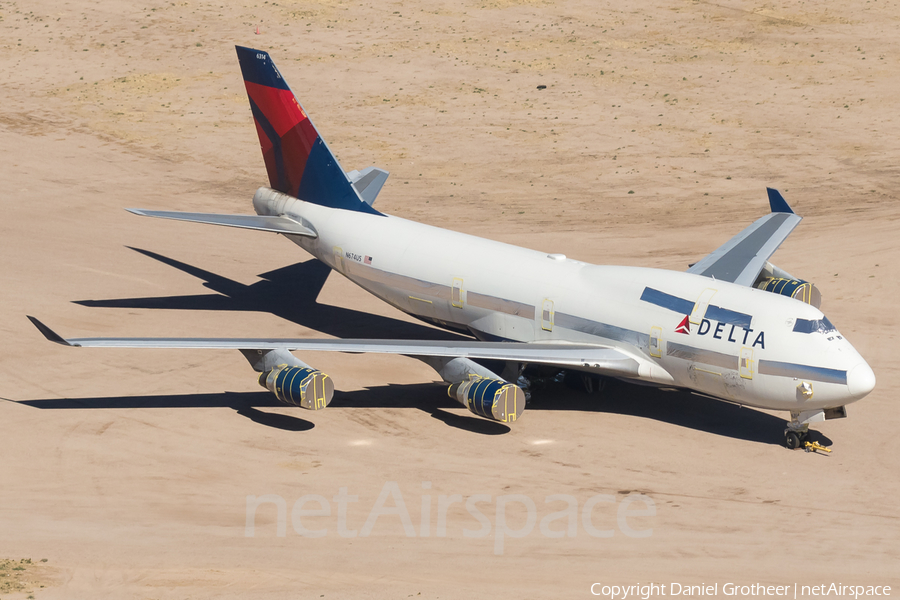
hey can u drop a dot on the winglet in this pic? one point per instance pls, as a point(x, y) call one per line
point(777, 202)
point(49, 333)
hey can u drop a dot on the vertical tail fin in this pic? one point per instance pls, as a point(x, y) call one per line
point(298, 160)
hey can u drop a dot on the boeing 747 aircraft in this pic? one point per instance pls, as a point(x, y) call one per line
point(734, 326)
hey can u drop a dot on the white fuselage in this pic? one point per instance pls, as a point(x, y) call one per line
point(738, 343)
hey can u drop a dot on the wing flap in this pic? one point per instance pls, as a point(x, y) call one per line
point(258, 222)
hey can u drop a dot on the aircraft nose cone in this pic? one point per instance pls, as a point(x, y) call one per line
point(860, 380)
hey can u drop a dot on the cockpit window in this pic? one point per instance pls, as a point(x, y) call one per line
point(813, 326)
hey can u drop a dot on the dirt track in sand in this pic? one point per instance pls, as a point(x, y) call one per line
point(129, 471)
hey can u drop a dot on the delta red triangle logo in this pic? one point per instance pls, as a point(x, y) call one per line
point(684, 326)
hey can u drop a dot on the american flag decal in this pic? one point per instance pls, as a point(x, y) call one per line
point(368, 260)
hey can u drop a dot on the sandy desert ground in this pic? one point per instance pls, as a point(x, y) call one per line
point(659, 128)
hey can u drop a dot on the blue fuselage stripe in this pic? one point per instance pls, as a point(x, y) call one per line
point(724, 315)
point(674, 303)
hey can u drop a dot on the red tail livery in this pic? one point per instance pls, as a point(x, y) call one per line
point(298, 160)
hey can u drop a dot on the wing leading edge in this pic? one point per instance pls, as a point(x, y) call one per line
point(740, 259)
point(257, 222)
point(598, 358)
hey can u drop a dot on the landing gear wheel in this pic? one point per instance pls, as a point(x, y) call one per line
point(791, 440)
point(804, 437)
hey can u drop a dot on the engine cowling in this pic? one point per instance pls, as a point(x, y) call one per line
point(793, 288)
point(494, 399)
point(299, 386)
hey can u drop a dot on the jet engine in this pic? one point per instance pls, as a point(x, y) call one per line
point(793, 288)
point(494, 399)
point(299, 386)
point(778, 281)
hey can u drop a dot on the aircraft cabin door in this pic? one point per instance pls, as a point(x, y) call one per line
point(547, 315)
point(339, 259)
point(656, 342)
point(746, 367)
point(456, 293)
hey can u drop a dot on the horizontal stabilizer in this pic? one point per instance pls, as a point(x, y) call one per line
point(368, 182)
point(257, 222)
point(604, 358)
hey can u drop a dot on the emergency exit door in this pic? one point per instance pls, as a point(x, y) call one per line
point(547, 315)
point(339, 259)
point(746, 366)
point(456, 293)
point(656, 342)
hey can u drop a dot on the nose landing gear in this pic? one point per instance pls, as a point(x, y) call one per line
point(794, 438)
point(796, 435)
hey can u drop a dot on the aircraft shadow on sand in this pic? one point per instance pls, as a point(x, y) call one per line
point(427, 397)
point(290, 292)
point(675, 408)
point(246, 404)
point(679, 408)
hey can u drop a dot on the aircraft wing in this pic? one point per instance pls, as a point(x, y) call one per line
point(741, 258)
point(257, 222)
point(602, 358)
